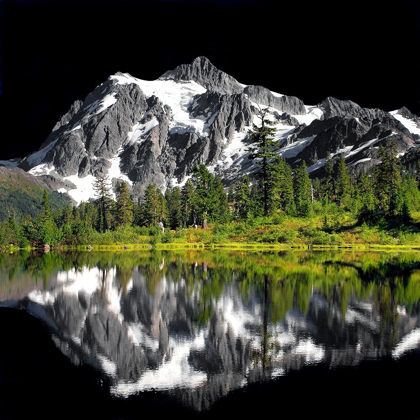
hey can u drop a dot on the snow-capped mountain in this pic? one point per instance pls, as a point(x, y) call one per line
point(155, 131)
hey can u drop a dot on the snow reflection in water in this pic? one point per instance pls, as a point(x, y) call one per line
point(210, 328)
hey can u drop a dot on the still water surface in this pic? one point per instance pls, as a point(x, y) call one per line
point(203, 333)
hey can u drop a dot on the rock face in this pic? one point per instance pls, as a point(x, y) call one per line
point(264, 97)
point(146, 132)
point(202, 71)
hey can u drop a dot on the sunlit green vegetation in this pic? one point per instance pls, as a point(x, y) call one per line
point(286, 279)
point(280, 207)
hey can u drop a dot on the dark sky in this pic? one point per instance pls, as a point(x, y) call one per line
point(54, 52)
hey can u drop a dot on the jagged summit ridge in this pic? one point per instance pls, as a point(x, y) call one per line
point(202, 71)
point(155, 131)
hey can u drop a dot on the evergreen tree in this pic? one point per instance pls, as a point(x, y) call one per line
point(10, 232)
point(411, 191)
point(46, 210)
point(387, 176)
point(231, 194)
point(67, 215)
point(45, 228)
point(204, 204)
point(343, 184)
point(221, 208)
point(76, 213)
point(280, 186)
point(124, 206)
point(365, 188)
point(329, 181)
point(188, 204)
point(263, 153)
point(242, 198)
point(367, 198)
point(174, 203)
point(256, 200)
point(104, 200)
point(153, 209)
point(302, 190)
point(27, 229)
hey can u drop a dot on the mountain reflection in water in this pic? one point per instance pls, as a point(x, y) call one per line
point(199, 325)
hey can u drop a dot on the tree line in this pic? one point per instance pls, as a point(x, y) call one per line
point(385, 195)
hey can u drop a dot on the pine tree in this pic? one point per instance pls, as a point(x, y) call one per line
point(302, 190)
point(343, 184)
point(188, 204)
point(256, 200)
point(329, 181)
point(67, 215)
point(174, 203)
point(263, 153)
point(218, 195)
point(104, 200)
point(204, 204)
point(153, 209)
point(411, 191)
point(387, 176)
point(46, 210)
point(124, 206)
point(46, 230)
point(242, 198)
point(280, 186)
point(367, 198)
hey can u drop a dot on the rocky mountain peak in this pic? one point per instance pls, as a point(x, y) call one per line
point(145, 132)
point(202, 71)
point(337, 107)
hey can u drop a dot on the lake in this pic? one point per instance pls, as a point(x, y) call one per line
point(207, 334)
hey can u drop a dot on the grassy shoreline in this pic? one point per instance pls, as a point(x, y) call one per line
point(270, 233)
point(232, 246)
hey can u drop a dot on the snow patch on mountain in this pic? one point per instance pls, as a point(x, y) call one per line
point(139, 130)
point(361, 161)
point(42, 169)
point(407, 123)
point(106, 102)
point(84, 188)
point(115, 170)
point(312, 113)
point(233, 153)
point(293, 149)
point(179, 96)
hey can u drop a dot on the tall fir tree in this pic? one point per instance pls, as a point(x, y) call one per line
point(262, 153)
point(302, 188)
point(219, 197)
point(124, 206)
point(204, 204)
point(256, 200)
point(242, 198)
point(153, 208)
point(328, 183)
point(174, 204)
point(102, 190)
point(188, 204)
point(280, 184)
point(46, 230)
point(387, 176)
point(343, 184)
